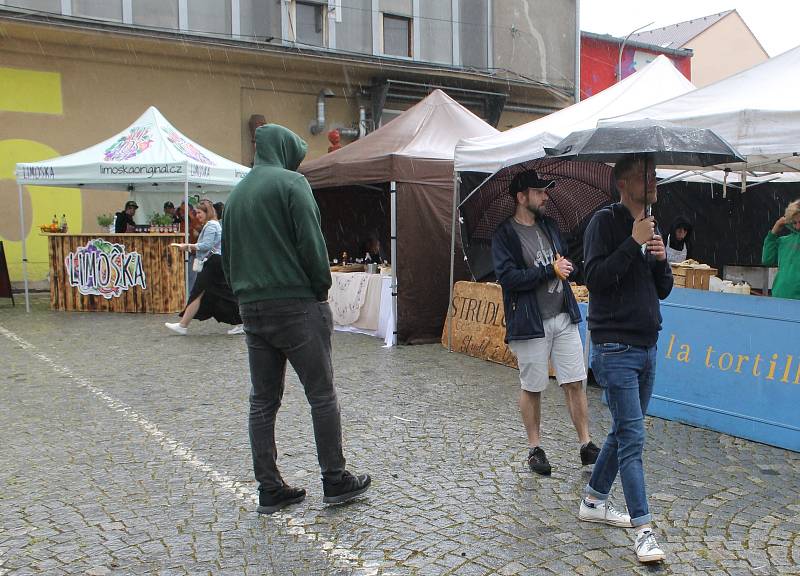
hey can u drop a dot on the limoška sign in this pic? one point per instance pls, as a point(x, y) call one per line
point(102, 268)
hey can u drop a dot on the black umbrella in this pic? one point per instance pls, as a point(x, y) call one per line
point(580, 189)
point(664, 143)
point(659, 142)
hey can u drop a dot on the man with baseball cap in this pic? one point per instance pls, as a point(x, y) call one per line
point(124, 222)
point(541, 313)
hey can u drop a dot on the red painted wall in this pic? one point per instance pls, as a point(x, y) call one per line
point(599, 63)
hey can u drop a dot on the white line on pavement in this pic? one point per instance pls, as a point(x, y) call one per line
point(340, 555)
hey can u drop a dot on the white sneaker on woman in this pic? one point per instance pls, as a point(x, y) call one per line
point(647, 549)
point(176, 327)
point(238, 329)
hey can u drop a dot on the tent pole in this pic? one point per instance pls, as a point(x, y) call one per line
point(186, 228)
point(450, 308)
point(393, 209)
point(24, 249)
point(586, 345)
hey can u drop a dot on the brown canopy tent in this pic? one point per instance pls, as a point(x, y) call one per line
point(412, 158)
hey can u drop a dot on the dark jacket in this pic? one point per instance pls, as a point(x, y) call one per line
point(624, 286)
point(122, 221)
point(272, 244)
point(523, 320)
point(680, 222)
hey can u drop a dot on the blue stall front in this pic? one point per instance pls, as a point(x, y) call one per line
point(730, 363)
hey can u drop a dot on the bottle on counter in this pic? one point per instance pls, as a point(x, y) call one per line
point(63, 223)
point(344, 258)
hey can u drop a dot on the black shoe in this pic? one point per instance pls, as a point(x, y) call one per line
point(537, 461)
point(274, 500)
point(589, 453)
point(346, 489)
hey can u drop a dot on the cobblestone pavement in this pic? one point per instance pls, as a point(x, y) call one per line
point(124, 450)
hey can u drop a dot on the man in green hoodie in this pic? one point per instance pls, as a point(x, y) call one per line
point(276, 262)
point(784, 252)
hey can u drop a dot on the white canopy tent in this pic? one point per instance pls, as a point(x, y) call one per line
point(655, 82)
point(756, 111)
point(150, 155)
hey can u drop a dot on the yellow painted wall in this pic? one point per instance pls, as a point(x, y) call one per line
point(724, 49)
point(56, 99)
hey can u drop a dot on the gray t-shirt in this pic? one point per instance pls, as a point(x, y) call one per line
point(537, 250)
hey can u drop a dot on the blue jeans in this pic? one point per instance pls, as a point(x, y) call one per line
point(627, 374)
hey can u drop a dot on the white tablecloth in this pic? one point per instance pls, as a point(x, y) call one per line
point(368, 299)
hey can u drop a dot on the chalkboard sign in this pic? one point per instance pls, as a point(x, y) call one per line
point(5, 281)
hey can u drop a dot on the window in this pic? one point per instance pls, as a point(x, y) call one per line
point(213, 16)
point(473, 34)
point(102, 9)
point(309, 23)
point(38, 5)
point(396, 36)
point(156, 13)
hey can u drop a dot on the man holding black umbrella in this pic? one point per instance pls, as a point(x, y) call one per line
point(627, 274)
point(541, 313)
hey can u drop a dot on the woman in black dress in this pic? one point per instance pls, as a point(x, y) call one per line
point(210, 296)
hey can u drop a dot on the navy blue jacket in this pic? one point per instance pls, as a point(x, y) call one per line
point(624, 287)
point(523, 320)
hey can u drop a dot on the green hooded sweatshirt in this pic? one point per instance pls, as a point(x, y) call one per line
point(784, 252)
point(272, 243)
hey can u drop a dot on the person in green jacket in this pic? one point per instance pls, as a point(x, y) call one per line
point(276, 262)
point(784, 252)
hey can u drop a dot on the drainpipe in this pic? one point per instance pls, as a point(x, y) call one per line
point(319, 125)
point(356, 133)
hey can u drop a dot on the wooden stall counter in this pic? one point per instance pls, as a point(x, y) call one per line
point(116, 272)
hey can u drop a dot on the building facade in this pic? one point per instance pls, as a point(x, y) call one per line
point(722, 45)
point(74, 72)
point(602, 63)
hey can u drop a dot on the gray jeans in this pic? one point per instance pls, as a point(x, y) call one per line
point(298, 331)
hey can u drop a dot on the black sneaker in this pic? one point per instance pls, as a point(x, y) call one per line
point(346, 489)
point(274, 500)
point(589, 453)
point(537, 461)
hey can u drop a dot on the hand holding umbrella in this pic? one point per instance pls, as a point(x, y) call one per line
point(562, 267)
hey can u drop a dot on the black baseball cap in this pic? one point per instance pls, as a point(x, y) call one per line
point(131, 204)
point(168, 204)
point(528, 179)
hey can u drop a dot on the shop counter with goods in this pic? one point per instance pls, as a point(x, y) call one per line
point(116, 272)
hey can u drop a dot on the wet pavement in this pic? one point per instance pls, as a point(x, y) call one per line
point(124, 450)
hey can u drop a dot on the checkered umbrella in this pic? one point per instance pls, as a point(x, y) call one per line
point(581, 188)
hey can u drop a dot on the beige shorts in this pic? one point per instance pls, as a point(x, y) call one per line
point(561, 345)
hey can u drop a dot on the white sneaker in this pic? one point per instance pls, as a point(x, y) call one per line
point(604, 513)
point(646, 547)
point(238, 329)
point(176, 327)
